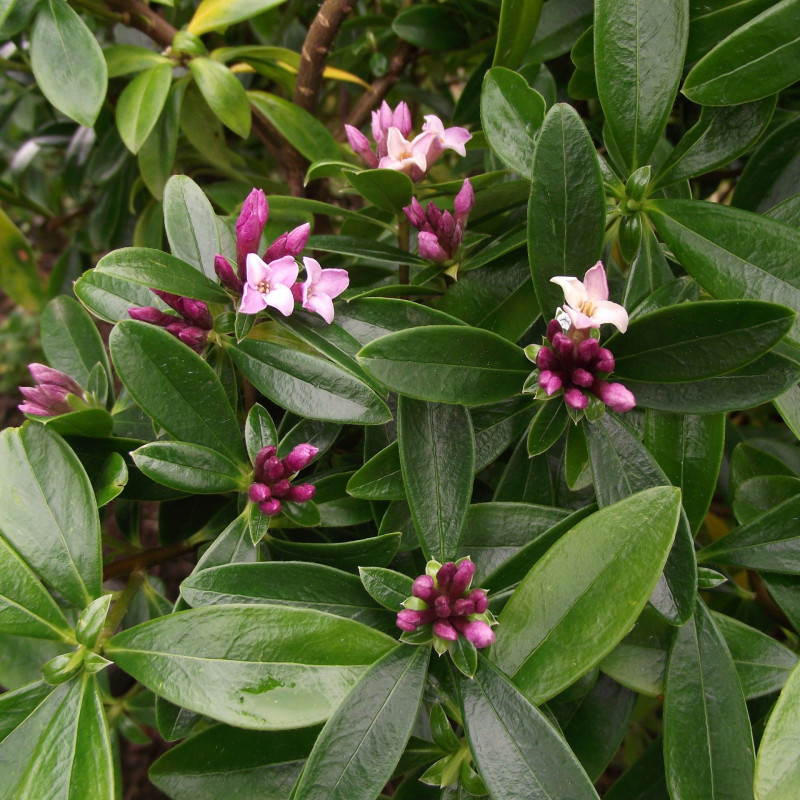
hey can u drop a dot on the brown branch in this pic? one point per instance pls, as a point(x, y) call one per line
point(143, 18)
point(148, 558)
point(314, 53)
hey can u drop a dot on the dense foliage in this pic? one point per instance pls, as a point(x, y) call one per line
point(457, 344)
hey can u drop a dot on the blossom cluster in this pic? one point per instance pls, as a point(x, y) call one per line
point(393, 150)
point(191, 328)
point(443, 600)
point(51, 395)
point(273, 478)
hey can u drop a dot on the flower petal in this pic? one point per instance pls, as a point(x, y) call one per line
point(332, 282)
point(320, 304)
point(283, 271)
point(579, 320)
point(313, 270)
point(595, 283)
point(252, 300)
point(281, 298)
point(606, 311)
point(456, 139)
point(256, 270)
point(574, 290)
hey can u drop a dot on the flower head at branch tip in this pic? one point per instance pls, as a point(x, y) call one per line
point(273, 478)
point(440, 232)
point(587, 302)
point(269, 285)
point(193, 325)
point(316, 293)
point(442, 599)
point(50, 396)
point(407, 157)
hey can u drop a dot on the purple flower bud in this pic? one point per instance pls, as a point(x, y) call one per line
point(546, 358)
point(416, 215)
point(270, 508)
point(296, 239)
point(176, 327)
point(553, 327)
point(360, 145)
point(575, 398)
point(193, 336)
point(172, 300)
point(401, 119)
point(444, 630)
point(226, 274)
point(272, 469)
point(249, 226)
point(587, 350)
point(549, 381)
point(463, 607)
point(478, 632)
point(615, 396)
point(277, 249)
point(444, 576)
point(280, 488)
point(43, 374)
point(258, 492)
point(49, 400)
point(581, 377)
point(261, 457)
point(301, 456)
point(429, 247)
point(442, 606)
point(302, 492)
point(562, 345)
point(385, 117)
point(462, 579)
point(605, 360)
point(446, 227)
point(424, 589)
point(478, 596)
point(33, 408)
point(434, 214)
point(196, 312)
point(408, 620)
point(152, 315)
point(464, 201)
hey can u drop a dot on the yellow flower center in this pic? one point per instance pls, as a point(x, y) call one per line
point(587, 307)
point(263, 286)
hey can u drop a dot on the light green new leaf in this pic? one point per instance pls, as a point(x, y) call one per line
point(213, 14)
point(141, 103)
point(224, 94)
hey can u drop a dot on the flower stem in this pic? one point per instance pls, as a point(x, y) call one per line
point(120, 609)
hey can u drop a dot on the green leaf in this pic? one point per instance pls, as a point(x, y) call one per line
point(432, 27)
point(287, 583)
point(26, 608)
point(719, 136)
point(384, 188)
point(638, 57)
point(140, 105)
point(175, 387)
point(158, 270)
point(211, 15)
point(224, 94)
point(18, 274)
point(567, 206)
point(732, 253)
point(389, 588)
point(769, 542)
point(67, 62)
point(649, 271)
point(51, 520)
point(756, 495)
point(689, 449)
point(498, 426)
point(525, 479)
point(16, 706)
point(367, 250)
point(437, 455)
point(110, 298)
point(157, 153)
point(308, 385)
point(306, 133)
point(376, 551)
point(481, 367)
point(560, 25)
point(123, 59)
point(518, 21)
point(191, 225)
point(644, 780)
point(286, 668)
point(360, 745)
point(548, 423)
point(190, 468)
point(621, 549)
point(259, 431)
point(518, 751)
point(708, 745)
point(511, 115)
point(71, 341)
point(231, 762)
point(380, 478)
point(777, 773)
point(758, 59)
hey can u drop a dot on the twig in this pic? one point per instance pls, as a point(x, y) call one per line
point(143, 18)
point(148, 558)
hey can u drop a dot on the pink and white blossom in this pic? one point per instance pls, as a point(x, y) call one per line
point(407, 157)
point(587, 302)
point(316, 293)
point(454, 138)
point(269, 285)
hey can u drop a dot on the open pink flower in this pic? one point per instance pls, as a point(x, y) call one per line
point(407, 157)
point(269, 285)
point(446, 138)
point(320, 287)
point(587, 303)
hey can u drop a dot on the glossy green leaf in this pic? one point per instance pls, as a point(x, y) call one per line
point(518, 751)
point(51, 519)
point(708, 745)
point(648, 271)
point(287, 667)
point(190, 468)
point(376, 551)
point(140, 105)
point(447, 364)
point(16, 706)
point(548, 423)
point(777, 774)
point(123, 59)
point(67, 62)
point(431, 27)
point(380, 478)
point(567, 206)
point(437, 455)
point(26, 608)
point(498, 426)
point(712, 21)
point(308, 385)
point(109, 298)
point(621, 549)
point(157, 153)
point(638, 56)
point(224, 94)
point(389, 588)
point(518, 21)
point(732, 253)
point(719, 136)
point(756, 495)
point(367, 250)
point(688, 448)
point(360, 745)
point(511, 115)
point(525, 479)
point(215, 14)
point(384, 188)
point(18, 267)
point(191, 224)
point(758, 59)
point(231, 762)
point(175, 387)
point(158, 270)
point(259, 431)
point(644, 780)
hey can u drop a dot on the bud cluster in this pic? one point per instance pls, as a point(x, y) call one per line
point(442, 598)
point(576, 366)
point(273, 478)
point(49, 398)
point(440, 232)
point(193, 326)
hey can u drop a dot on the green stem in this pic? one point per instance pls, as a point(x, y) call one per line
point(121, 607)
point(402, 243)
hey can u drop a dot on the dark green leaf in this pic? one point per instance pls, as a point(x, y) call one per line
point(259, 431)
point(756, 495)
point(384, 188)
point(191, 468)
point(559, 26)
point(140, 105)
point(549, 422)
point(433, 27)
point(109, 298)
point(18, 267)
point(380, 478)
point(365, 249)
point(389, 588)
point(644, 780)
point(518, 21)
point(377, 551)
point(224, 94)
point(649, 271)
point(157, 154)
point(498, 426)
point(17, 706)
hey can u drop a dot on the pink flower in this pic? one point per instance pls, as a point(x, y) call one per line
point(320, 287)
point(49, 398)
point(269, 285)
point(407, 157)
point(384, 119)
point(587, 303)
point(446, 138)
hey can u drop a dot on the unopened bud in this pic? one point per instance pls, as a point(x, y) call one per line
point(605, 360)
point(270, 508)
point(401, 119)
point(296, 239)
point(430, 248)
point(444, 630)
point(360, 145)
point(302, 492)
point(553, 327)
point(301, 456)
point(261, 457)
point(478, 632)
point(464, 201)
point(549, 381)
point(588, 349)
point(259, 492)
point(43, 374)
point(408, 620)
point(227, 275)
point(193, 336)
point(462, 578)
point(575, 398)
point(442, 606)
point(580, 377)
point(196, 311)
point(249, 226)
point(546, 358)
point(424, 589)
point(478, 596)
point(272, 469)
point(172, 300)
point(463, 607)
point(280, 488)
point(151, 315)
point(445, 576)
point(615, 396)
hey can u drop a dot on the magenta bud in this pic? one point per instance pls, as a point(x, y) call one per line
point(385, 117)
point(360, 145)
point(429, 247)
point(280, 488)
point(587, 350)
point(463, 607)
point(416, 215)
point(193, 336)
point(442, 606)
point(259, 492)
point(549, 381)
point(401, 119)
point(152, 315)
point(34, 408)
point(562, 345)
point(272, 469)
point(302, 492)
point(176, 327)
point(575, 398)
point(446, 227)
point(408, 620)
point(277, 249)
point(553, 327)
point(580, 377)
point(479, 633)
point(226, 274)
point(301, 456)
point(261, 457)
point(296, 239)
point(605, 360)
point(444, 630)
point(424, 589)
point(445, 575)
point(546, 358)
point(270, 508)
point(196, 311)
point(43, 374)
point(249, 226)
point(615, 396)
point(434, 214)
point(464, 201)
point(462, 579)
point(478, 596)
point(172, 300)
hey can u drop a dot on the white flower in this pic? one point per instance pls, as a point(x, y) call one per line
point(587, 303)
